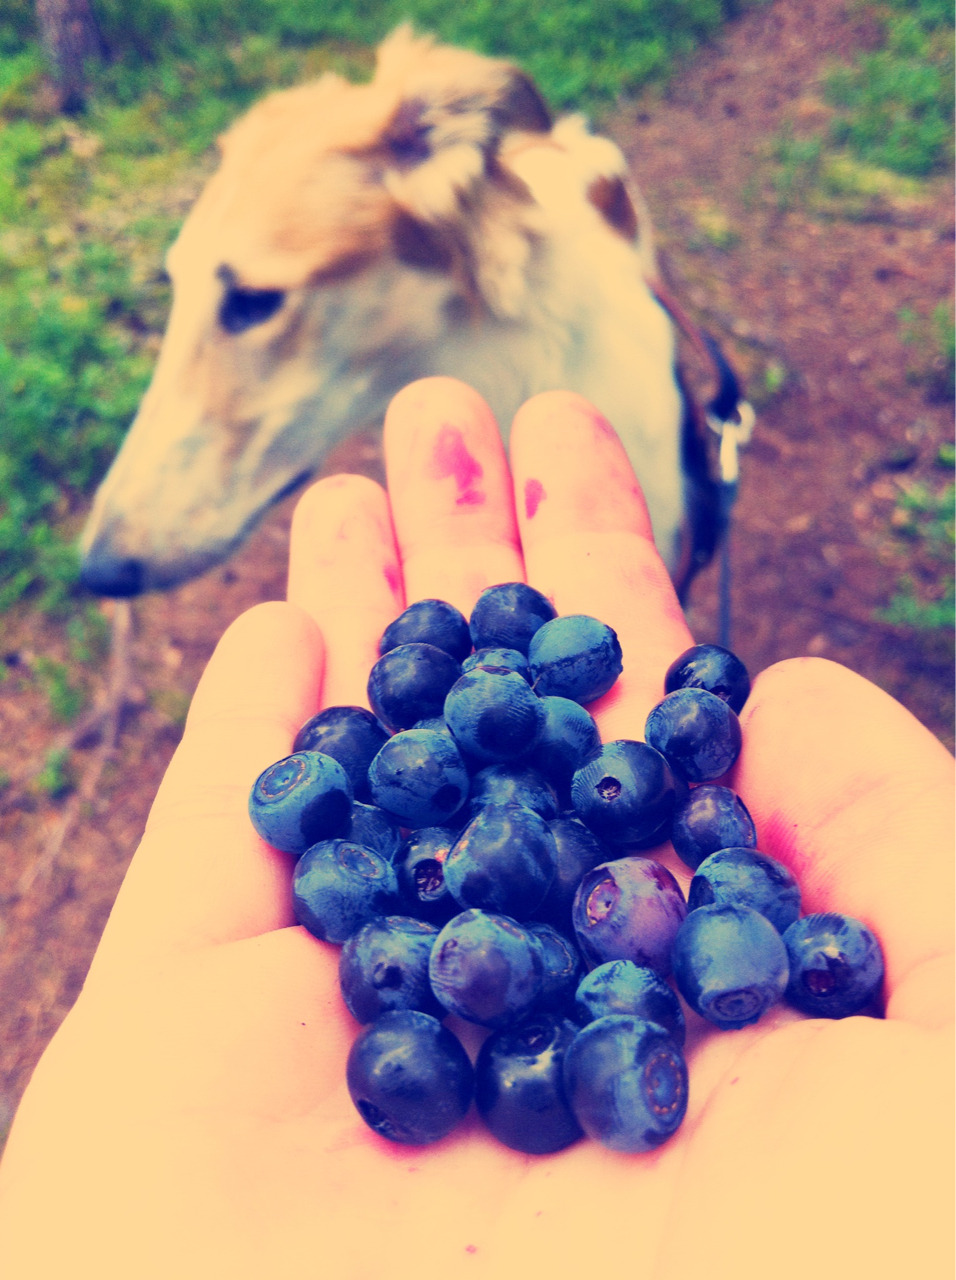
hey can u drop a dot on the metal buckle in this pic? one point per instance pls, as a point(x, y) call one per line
point(733, 436)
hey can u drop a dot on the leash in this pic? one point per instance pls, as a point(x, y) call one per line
point(732, 419)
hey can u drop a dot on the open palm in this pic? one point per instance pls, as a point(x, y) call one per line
point(190, 1119)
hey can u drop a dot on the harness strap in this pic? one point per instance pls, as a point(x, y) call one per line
point(731, 418)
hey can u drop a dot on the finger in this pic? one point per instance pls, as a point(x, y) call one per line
point(344, 571)
point(856, 797)
point(450, 492)
point(588, 545)
point(201, 874)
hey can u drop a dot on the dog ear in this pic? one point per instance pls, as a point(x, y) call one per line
point(453, 108)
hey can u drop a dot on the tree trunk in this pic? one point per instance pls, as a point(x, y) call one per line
point(69, 34)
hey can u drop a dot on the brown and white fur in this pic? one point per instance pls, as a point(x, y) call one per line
point(432, 221)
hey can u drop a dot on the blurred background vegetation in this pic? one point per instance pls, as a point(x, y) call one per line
point(89, 201)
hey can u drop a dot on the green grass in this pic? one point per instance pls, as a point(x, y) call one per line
point(925, 517)
point(86, 213)
point(894, 105)
point(891, 117)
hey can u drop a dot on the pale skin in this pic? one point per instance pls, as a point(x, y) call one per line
point(190, 1119)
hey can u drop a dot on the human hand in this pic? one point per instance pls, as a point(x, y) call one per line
point(190, 1119)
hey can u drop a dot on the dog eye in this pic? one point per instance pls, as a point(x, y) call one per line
point(241, 309)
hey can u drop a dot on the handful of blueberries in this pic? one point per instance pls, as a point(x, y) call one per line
point(475, 849)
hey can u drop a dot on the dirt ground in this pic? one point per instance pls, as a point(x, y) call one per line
point(806, 295)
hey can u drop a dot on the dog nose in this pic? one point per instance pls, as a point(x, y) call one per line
point(107, 575)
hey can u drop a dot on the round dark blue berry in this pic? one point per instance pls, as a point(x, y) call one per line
point(487, 968)
point(371, 826)
point(299, 800)
point(710, 667)
point(420, 866)
point(503, 861)
point(351, 735)
point(569, 734)
point(510, 659)
point(432, 622)
point(697, 732)
point(626, 1082)
point(577, 850)
point(730, 964)
point(419, 777)
point(384, 965)
point(628, 909)
point(507, 616)
point(493, 714)
point(708, 818)
point(626, 792)
point(409, 683)
point(747, 879)
point(561, 967)
point(410, 1079)
point(576, 657)
point(836, 965)
point(620, 986)
point(519, 1089)
point(511, 783)
point(338, 886)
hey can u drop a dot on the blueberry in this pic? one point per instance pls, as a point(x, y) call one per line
point(730, 964)
point(493, 714)
point(519, 1090)
point(569, 734)
point(626, 792)
point(626, 1082)
point(697, 732)
point(384, 965)
point(710, 667)
point(628, 909)
point(620, 986)
point(510, 659)
point(420, 777)
point(432, 622)
point(836, 965)
point(577, 850)
point(338, 886)
point(748, 879)
point(709, 818)
point(371, 826)
point(503, 861)
point(486, 967)
point(576, 657)
point(512, 783)
point(420, 867)
point(350, 735)
point(409, 683)
point(507, 615)
point(410, 1078)
point(562, 967)
point(300, 800)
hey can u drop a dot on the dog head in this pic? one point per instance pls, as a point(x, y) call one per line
point(325, 261)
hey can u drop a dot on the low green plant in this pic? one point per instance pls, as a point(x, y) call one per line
point(64, 696)
point(56, 778)
point(933, 339)
point(894, 105)
point(924, 516)
point(797, 166)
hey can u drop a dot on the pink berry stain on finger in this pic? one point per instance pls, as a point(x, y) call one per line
point(452, 459)
point(393, 579)
point(534, 491)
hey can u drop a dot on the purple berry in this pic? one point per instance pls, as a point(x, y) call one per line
point(629, 909)
point(836, 965)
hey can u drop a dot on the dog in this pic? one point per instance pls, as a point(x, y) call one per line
point(355, 237)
